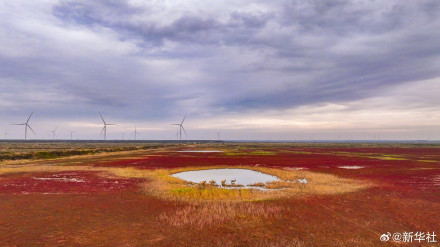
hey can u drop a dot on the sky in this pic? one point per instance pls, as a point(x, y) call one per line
point(272, 70)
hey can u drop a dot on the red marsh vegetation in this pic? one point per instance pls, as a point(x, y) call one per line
point(93, 206)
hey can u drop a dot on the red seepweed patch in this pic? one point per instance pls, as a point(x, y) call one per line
point(65, 182)
point(397, 175)
point(406, 198)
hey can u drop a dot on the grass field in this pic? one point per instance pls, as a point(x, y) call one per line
point(123, 195)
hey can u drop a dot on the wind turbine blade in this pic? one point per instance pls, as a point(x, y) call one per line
point(102, 118)
point(55, 129)
point(183, 119)
point(100, 134)
point(29, 117)
point(112, 124)
point(19, 124)
point(184, 131)
point(176, 124)
point(31, 129)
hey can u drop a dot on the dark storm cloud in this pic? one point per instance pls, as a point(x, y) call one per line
point(346, 49)
point(95, 12)
point(186, 28)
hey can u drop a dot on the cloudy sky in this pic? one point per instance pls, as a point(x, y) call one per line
point(277, 70)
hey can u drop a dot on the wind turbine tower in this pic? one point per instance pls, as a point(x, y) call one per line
point(181, 128)
point(71, 134)
point(6, 133)
point(104, 129)
point(135, 133)
point(26, 126)
point(53, 133)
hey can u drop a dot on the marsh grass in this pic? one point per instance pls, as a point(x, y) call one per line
point(44, 168)
point(433, 161)
point(258, 185)
point(370, 155)
point(256, 152)
point(204, 214)
point(160, 183)
point(16, 151)
point(390, 157)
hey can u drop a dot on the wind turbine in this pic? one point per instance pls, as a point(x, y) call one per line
point(71, 134)
point(218, 136)
point(53, 133)
point(6, 133)
point(181, 127)
point(26, 126)
point(134, 132)
point(104, 129)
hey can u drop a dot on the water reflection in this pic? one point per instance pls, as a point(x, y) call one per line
point(225, 177)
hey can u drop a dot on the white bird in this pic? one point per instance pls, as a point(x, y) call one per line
point(303, 181)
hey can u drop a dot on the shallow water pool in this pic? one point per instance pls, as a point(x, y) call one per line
point(243, 177)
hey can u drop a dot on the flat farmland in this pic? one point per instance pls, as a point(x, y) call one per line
point(125, 196)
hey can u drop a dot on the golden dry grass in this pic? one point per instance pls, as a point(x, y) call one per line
point(201, 215)
point(318, 183)
point(225, 216)
point(162, 184)
point(44, 168)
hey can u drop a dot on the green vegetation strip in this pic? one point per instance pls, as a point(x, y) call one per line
point(58, 154)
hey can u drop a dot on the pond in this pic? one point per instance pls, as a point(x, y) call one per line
point(244, 177)
point(351, 167)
